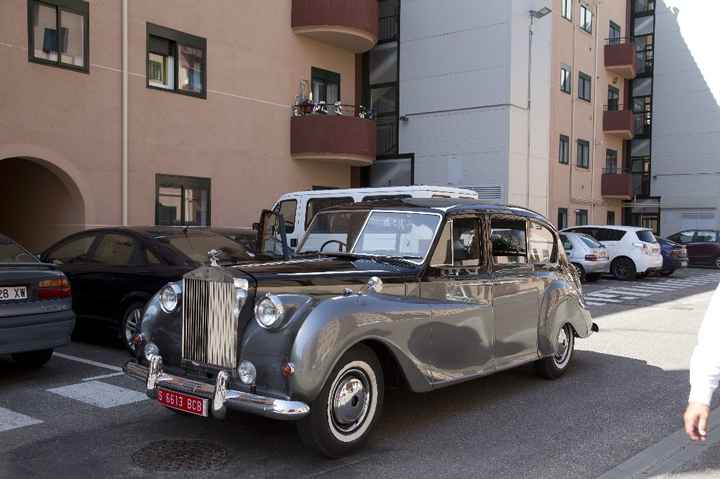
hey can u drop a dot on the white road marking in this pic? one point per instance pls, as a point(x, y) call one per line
point(88, 361)
point(628, 292)
point(591, 303)
point(14, 420)
point(99, 394)
point(104, 376)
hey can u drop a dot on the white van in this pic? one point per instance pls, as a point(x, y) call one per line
point(299, 208)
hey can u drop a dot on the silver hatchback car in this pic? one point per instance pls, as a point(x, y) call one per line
point(589, 256)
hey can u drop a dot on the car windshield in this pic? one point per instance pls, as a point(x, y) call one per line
point(406, 235)
point(196, 246)
point(11, 252)
point(647, 236)
point(591, 242)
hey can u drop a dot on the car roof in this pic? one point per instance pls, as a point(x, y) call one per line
point(152, 232)
point(441, 205)
point(383, 190)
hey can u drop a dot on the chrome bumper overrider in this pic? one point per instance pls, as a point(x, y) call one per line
point(219, 396)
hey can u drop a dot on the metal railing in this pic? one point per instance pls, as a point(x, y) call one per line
point(618, 40)
point(307, 108)
point(616, 171)
point(613, 106)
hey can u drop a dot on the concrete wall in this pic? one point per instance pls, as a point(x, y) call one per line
point(463, 88)
point(239, 136)
point(686, 115)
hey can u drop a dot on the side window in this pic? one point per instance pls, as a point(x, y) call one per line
point(114, 250)
point(509, 244)
point(610, 235)
point(465, 244)
point(567, 244)
point(705, 237)
point(683, 237)
point(442, 256)
point(316, 204)
point(288, 210)
point(73, 251)
point(541, 243)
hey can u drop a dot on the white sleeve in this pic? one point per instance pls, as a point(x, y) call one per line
point(705, 361)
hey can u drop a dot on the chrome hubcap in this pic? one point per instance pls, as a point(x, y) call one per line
point(350, 401)
point(564, 350)
point(131, 325)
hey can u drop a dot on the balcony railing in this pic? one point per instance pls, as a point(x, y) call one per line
point(620, 57)
point(334, 133)
point(617, 183)
point(348, 24)
point(618, 121)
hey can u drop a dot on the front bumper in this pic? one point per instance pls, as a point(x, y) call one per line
point(596, 267)
point(219, 396)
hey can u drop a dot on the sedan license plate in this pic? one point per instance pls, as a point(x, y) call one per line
point(13, 293)
point(183, 402)
point(683, 264)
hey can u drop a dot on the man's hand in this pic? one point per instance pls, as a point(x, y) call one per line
point(696, 418)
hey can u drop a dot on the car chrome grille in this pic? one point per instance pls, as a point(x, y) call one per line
point(209, 329)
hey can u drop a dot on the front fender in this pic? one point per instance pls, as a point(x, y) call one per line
point(337, 324)
point(561, 304)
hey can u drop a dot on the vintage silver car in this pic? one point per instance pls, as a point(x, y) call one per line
point(418, 292)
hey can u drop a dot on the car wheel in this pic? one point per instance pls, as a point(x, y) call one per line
point(623, 269)
point(33, 359)
point(580, 272)
point(130, 325)
point(345, 411)
point(555, 366)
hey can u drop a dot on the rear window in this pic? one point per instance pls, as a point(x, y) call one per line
point(590, 242)
point(196, 247)
point(316, 204)
point(647, 236)
point(11, 252)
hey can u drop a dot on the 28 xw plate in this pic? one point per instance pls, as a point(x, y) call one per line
point(13, 293)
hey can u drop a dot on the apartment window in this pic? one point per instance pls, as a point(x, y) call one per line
point(615, 34)
point(583, 154)
point(565, 81)
point(564, 150)
point(562, 219)
point(611, 157)
point(182, 201)
point(644, 6)
point(584, 86)
point(325, 86)
point(68, 49)
point(610, 218)
point(176, 61)
point(613, 103)
point(586, 18)
point(581, 217)
point(566, 9)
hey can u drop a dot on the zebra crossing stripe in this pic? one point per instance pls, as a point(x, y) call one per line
point(605, 298)
point(628, 292)
point(99, 394)
point(14, 420)
point(592, 303)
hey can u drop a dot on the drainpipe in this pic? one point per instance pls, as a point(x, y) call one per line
point(595, 115)
point(124, 122)
point(529, 110)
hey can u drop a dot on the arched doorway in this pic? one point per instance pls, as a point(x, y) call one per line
point(40, 202)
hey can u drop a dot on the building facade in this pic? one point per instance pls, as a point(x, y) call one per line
point(196, 127)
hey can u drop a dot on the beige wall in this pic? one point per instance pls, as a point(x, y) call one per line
point(239, 136)
point(572, 187)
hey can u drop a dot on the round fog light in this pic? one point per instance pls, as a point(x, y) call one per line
point(247, 372)
point(151, 349)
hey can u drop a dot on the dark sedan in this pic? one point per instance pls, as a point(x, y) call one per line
point(703, 246)
point(674, 256)
point(115, 271)
point(247, 237)
point(35, 306)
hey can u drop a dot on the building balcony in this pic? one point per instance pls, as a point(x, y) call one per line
point(618, 121)
point(348, 24)
point(620, 58)
point(333, 134)
point(617, 184)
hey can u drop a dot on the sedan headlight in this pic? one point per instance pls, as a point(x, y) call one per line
point(269, 312)
point(169, 298)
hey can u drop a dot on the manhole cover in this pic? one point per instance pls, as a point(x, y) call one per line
point(181, 455)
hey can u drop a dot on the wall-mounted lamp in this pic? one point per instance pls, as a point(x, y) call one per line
point(540, 13)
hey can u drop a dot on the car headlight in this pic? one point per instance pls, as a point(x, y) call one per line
point(169, 298)
point(269, 312)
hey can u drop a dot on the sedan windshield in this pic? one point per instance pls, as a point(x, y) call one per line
point(406, 235)
point(11, 252)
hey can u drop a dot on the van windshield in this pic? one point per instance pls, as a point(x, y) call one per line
point(407, 235)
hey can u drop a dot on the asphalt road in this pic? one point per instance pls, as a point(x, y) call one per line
point(616, 412)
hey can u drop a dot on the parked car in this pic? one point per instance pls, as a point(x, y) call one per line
point(115, 271)
point(300, 207)
point(35, 306)
point(588, 255)
point(423, 292)
point(674, 256)
point(247, 237)
point(703, 246)
point(633, 251)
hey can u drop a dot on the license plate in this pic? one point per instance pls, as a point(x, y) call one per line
point(183, 402)
point(13, 293)
point(683, 264)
